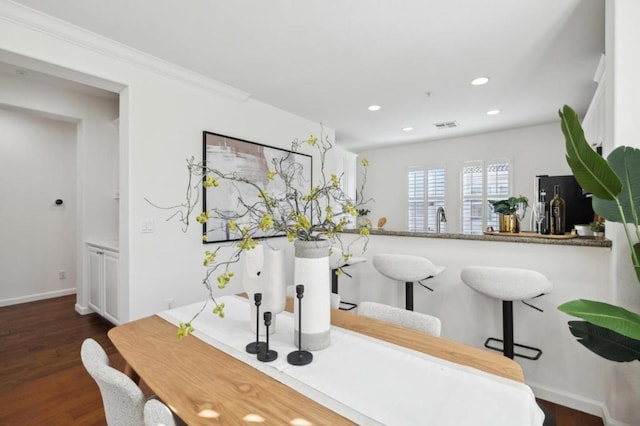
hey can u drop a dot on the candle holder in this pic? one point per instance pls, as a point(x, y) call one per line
point(265, 354)
point(299, 357)
point(254, 347)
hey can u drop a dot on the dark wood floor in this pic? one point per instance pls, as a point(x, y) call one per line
point(42, 380)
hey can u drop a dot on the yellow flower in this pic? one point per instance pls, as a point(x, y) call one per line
point(209, 257)
point(185, 329)
point(233, 226)
point(270, 175)
point(203, 217)
point(210, 181)
point(247, 243)
point(219, 310)
point(303, 222)
point(329, 211)
point(266, 223)
point(350, 209)
point(335, 182)
point(312, 140)
point(204, 238)
point(291, 234)
point(338, 272)
point(224, 279)
point(365, 162)
point(364, 231)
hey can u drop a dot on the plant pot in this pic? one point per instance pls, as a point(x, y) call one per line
point(509, 223)
point(598, 235)
point(311, 269)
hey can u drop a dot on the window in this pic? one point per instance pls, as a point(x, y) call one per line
point(483, 181)
point(426, 192)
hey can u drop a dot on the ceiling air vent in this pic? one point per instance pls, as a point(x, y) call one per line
point(446, 125)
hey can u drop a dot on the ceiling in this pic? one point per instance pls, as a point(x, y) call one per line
point(328, 60)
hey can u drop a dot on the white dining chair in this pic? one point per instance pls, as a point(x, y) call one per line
point(122, 399)
point(158, 414)
point(410, 319)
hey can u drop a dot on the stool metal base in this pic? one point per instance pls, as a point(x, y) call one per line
point(348, 306)
point(536, 351)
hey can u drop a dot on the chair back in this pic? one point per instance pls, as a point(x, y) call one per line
point(122, 399)
point(158, 414)
point(410, 319)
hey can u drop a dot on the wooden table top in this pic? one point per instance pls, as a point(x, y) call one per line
point(206, 386)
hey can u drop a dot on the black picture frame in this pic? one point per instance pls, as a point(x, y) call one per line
point(248, 159)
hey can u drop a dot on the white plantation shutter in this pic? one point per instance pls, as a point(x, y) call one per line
point(416, 187)
point(426, 192)
point(481, 182)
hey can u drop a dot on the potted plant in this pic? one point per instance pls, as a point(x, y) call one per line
point(608, 330)
point(598, 229)
point(511, 211)
point(318, 216)
point(361, 219)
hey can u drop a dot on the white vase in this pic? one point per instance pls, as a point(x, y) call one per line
point(311, 269)
point(263, 272)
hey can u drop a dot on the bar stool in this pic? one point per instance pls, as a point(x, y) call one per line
point(507, 284)
point(337, 262)
point(408, 269)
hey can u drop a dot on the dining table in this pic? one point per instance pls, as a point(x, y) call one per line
point(372, 373)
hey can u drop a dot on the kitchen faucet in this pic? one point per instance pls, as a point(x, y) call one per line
point(440, 217)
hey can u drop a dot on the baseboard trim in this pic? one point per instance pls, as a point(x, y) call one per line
point(608, 421)
point(83, 310)
point(576, 402)
point(35, 297)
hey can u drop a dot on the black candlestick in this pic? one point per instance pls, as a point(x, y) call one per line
point(300, 357)
point(254, 347)
point(266, 355)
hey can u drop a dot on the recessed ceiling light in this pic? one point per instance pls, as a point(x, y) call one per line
point(493, 112)
point(374, 107)
point(480, 81)
point(407, 129)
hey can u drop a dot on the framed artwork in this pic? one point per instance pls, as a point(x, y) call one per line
point(252, 161)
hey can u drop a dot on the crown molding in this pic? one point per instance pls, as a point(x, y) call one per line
point(35, 20)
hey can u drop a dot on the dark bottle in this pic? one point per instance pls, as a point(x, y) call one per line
point(557, 212)
point(544, 223)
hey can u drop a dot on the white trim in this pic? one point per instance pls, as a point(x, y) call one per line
point(39, 296)
point(38, 21)
point(567, 399)
point(83, 310)
point(609, 421)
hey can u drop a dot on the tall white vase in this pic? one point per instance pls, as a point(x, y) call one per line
point(311, 269)
point(263, 272)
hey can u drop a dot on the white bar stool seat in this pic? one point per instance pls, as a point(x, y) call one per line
point(508, 285)
point(408, 269)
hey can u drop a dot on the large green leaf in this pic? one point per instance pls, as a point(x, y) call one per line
point(605, 315)
point(625, 162)
point(604, 342)
point(590, 170)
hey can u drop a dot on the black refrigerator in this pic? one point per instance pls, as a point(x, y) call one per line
point(578, 209)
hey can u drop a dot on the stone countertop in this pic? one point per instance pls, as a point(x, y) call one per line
point(510, 238)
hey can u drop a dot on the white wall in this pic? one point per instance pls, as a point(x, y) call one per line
point(37, 237)
point(95, 143)
point(163, 111)
point(533, 151)
point(623, 110)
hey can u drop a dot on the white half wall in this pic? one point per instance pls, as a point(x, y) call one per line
point(37, 237)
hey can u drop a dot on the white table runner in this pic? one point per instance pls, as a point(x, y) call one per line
point(370, 381)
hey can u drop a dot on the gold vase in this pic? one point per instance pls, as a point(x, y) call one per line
point(509, 223)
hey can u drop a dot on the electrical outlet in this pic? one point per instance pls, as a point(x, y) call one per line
point(148, 226)
point(62, 275)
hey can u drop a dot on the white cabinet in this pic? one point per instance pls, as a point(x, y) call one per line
point(103, 281)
